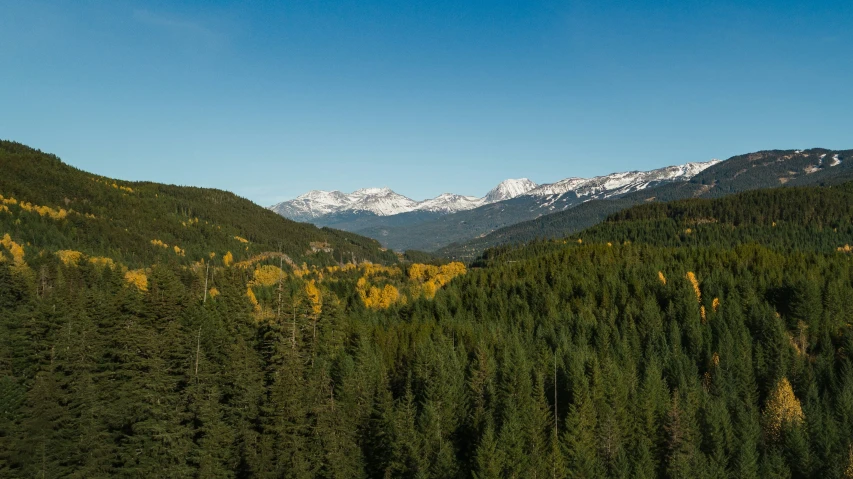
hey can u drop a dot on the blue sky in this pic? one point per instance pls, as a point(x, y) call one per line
point(271, 99)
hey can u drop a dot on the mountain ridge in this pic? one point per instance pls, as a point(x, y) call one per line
point(757, 170)
point(314, 205)
point(386, 202)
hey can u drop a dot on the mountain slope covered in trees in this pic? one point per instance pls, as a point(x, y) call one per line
point(764, 169)
point(69, 208)
point(633, 349)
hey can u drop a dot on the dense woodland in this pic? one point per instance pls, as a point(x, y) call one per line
point(636, 348)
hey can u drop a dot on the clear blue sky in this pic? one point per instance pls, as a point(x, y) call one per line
point(271, 99)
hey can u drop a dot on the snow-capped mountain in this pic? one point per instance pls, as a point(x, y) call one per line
point(620, 183)
point(509, 189)
point(379, 201)
point(449, 203)
point(385, 202)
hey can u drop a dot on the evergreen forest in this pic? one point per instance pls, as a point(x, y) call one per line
point(152, 330)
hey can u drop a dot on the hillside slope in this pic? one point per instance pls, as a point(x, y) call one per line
point(50, 205)
point(764, 169)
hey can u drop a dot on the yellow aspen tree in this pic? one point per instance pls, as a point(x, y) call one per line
point(388, 296)
point(715, 304)
point(702, 314)
point(361, 288)
point(137, 278)
point(372, 297)
point(314, 297)
point(69, 257)
point(695, 283)
point(783, 409)
point(429, 290)
point(661, 278)
point(417, 272)
point(15, 249)
point(267, 275)
point(252, 299)
point(213, 293)
point(227, 259)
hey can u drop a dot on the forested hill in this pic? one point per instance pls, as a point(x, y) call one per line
point(813, 218)
point(49, 205)
point(788, 219)
point(762, 169)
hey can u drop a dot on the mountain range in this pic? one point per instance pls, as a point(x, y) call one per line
point(390, 217)
point(385, 202)
point(758, 170)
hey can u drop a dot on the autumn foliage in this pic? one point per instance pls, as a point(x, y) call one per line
point(267, 275)
point(431, 278)
point(137, 278)
point(315, 298)
point(783, 410)
point(695, 283)
point(15, 249)
point(69, 257)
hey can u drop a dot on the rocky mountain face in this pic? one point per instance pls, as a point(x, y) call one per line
point(620, 183)
point(316, 204)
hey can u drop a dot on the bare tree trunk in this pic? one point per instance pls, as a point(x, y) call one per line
point(197, 353)
point(206, 271)
point(280, 274)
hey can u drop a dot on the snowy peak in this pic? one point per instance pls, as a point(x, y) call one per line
point(384, 191)
point(509, 189)
point(450, 203)
point(380, 201)
point(311, 205)
point(620, 183)
point(386, 202)
point(316, 203)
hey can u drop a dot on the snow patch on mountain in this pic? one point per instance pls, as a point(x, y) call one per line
point(449, 203)
point(835, 161)
point(620, 183)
